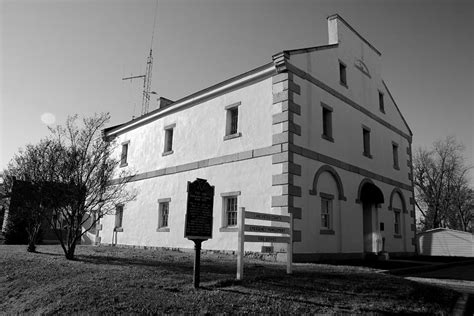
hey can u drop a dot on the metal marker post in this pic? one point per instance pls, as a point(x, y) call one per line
point(197, 262)
point(241, 240)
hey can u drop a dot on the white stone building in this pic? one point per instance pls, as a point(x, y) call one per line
point(315, 133)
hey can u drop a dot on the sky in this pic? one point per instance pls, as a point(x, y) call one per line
point(59, 58)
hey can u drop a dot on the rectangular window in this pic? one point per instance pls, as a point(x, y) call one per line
point(326, 211)
point(230, 205)
point(327, 123)
point(118, 216)
point(168, 141)
point(366, 141)
point(124, 156)
point(164, 208)
point(381, 103)
point(395, 155)
point(396, 223)
point(234, 117)
point(342, 74)
point(232, 121)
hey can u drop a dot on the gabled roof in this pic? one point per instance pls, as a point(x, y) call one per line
point(439, 229)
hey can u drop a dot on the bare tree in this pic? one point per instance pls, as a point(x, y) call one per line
point(440, 179)
point(92, 186)
point(461, 211)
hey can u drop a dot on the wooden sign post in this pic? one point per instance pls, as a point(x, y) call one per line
point(198, 224)
point(243, 238)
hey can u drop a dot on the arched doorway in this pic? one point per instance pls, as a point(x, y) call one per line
point(370, 196)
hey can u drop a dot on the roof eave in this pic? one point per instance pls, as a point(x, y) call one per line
point(398, 109)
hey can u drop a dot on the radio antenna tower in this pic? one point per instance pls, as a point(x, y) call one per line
point(147, 76)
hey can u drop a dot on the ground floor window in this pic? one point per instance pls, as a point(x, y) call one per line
point(118, 216)
point(164, 208)
point(396, 223)
point(326, 211)
point(230, 206)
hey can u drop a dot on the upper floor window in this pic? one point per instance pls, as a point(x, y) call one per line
point(234, 118)
point(124, 155)
point(327, 122)
point(169, 131)
point(366, 141)
point(381, 102)
point(395, 155)
point(342, 73)
point(232, 121)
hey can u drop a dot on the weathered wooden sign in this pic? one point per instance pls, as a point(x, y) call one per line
point(198, 224)
point(243, 238)
point(266, 217)
point(199, 208)
point(266, 229)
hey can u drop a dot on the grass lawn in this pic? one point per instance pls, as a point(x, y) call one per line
point(117, 280)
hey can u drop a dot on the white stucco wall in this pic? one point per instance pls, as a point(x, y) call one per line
point(140, 218)
point(347, 125)
point(324, 66)
point(198, 135)
point(200, 130)
point(348, 226)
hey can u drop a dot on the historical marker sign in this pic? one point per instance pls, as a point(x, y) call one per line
point(198, 225)
point(199, 210)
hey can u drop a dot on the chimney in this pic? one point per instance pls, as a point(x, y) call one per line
point(332, 29)
point(164, 102)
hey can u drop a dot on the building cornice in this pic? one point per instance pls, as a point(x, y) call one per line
point(396, 106)
point(239, 81)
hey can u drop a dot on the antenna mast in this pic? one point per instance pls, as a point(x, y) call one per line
point(147, 76)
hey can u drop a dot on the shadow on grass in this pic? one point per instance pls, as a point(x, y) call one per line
point(53, 254)
point(179, 266)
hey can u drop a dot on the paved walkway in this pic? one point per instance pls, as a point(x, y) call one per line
point(459, 278)
point(457, 285)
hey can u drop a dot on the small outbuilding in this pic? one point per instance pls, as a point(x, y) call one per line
point(445, 242)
